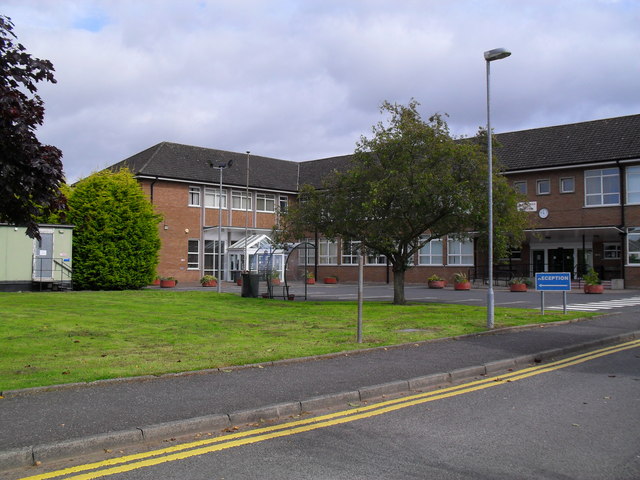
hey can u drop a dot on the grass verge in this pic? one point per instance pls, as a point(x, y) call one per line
point(53, 338)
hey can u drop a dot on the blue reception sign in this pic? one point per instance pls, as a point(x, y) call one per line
point(553, 282)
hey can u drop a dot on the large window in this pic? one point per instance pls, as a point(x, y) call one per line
point(193, 255)
point(212, 198)
point(374, 258)
point(431, 253)
point(633, 184)
point(601, 187)
point(350, 252)
point(265, 202)
point(194, 196)
point(633, 246)
point(240, 201)
point(327, 252)
point(460, 252)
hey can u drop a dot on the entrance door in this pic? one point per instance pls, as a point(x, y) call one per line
point(43, 257)
point(538, 261)
point(561, 260)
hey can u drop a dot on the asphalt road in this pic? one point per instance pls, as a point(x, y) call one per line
point(576, 422)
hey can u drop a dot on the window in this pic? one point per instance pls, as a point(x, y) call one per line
point(520, 187)
point(612, 251)
point(601, 187)
point(284, 203)
point(543, 187)
point(211, 257)
point(327, 252)
point(265, 202)
point(460, 252)
point(350, 252)
point(240, 201)
point(311, 251)
point(212, 198)
point(633, 184)
point(633, 246)
point(194, 196)
point(193, 255)
point(374, 258)
point(567, 185)
point(431, 253)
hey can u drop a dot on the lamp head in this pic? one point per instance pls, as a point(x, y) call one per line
point(496, 54)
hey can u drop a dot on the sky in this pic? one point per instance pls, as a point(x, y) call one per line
point(302, 80)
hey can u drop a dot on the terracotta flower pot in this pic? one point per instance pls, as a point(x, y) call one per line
point(593, 288)
point(239, 281)
point(462, 286)
point(212, 283)
point(167, 283)
point(518, 287)
point(330, 280)
point(291, 297)
point(156, 282)
point(311, 281)
point(436, 284)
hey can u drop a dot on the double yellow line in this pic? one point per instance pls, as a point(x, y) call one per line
point(180, 452)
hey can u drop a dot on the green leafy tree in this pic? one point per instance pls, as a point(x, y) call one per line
point(116, 240)
point(407, 185)
point(30, 173)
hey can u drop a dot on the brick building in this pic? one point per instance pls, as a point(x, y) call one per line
point(582, 183)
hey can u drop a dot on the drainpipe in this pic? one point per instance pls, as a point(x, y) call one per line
point(623, 221)
point(151, 189)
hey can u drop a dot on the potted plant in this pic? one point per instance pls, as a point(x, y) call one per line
point(331, 279)
point(519, 284)
point(434, 281)
point(291, 297)
point(275, 278)
point(310, 279)
point(209, 281)
point(156, 281)
point(592, 282)
point(461, 282)
point(239, 281)
point(168, 282)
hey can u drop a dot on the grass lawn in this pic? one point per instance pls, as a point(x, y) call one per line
point(53, 338)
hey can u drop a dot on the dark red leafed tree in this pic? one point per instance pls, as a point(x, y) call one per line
point(30, 173)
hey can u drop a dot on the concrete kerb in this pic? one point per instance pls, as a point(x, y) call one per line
point(27, 456)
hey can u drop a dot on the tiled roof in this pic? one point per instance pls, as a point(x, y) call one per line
point(564, 145)
point(189, 163)
point(576, 143)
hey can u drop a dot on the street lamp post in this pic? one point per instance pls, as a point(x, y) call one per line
point(220, 166)
point(490, 56)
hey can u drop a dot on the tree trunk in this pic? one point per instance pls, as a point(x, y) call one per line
point(398, 288)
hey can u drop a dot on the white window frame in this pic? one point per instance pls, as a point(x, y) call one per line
point(633, 251)
point(283, 203)
point(350, 252)
point(601, 174)
point(374, 258)
point(194, 196)
point(426, 255)
point(562, 184)
point(327, 252)
point(543, 181)
point(265, 202)
point(633, 173)
point(239, 200)
point(212, 198)
point(193, 253)
point(455, 252)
